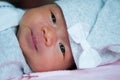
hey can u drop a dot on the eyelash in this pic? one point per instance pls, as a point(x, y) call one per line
point(53, 18)
point(62, 48)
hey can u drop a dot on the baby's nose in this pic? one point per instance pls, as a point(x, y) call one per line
point(50, 36)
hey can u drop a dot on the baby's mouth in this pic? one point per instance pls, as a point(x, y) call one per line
point(34, 40)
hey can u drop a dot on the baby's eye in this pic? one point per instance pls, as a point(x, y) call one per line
point(53, 18)
point(62, 48)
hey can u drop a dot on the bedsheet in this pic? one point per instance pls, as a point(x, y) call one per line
point(105, 72)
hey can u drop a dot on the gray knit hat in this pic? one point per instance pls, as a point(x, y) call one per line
point(76, 16)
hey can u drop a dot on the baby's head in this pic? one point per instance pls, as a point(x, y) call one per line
point(44, 40)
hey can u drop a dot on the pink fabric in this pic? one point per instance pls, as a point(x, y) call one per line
point(106, 72)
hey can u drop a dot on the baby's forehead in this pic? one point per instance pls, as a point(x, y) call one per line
point(44, 11)
point(41, 9)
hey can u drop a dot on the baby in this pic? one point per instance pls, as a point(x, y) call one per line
point(44, 39)
point(41, 37)
point(59, 36)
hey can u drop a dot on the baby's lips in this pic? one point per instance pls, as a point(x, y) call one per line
point(34, 39)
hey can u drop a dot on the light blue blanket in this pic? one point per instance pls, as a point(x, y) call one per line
point(106, 30)
point(100, 21)
point(12, 62)
point(105, 34)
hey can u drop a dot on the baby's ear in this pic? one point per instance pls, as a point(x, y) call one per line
point(49, 36)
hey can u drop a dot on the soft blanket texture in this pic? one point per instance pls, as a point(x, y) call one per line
point(94, 30)
point(104, 36)
point(106, 72)
point(12, 62)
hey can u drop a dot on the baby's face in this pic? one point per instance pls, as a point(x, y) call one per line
point(44, 40)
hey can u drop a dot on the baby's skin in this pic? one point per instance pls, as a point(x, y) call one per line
point(43, 38)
